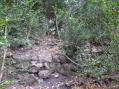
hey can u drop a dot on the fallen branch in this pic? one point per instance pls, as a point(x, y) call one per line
point(71, 60)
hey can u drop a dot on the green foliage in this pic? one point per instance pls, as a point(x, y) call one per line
point(3, 22)
point(4, 84)
point(21, 19)
point(93, 21)
point(3, 40)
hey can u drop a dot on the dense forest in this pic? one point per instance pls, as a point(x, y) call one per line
point(59, 44)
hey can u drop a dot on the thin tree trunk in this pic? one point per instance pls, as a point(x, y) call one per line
point(4, 56)
point(3, 64)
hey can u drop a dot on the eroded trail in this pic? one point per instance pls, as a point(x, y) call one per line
point(42, 66)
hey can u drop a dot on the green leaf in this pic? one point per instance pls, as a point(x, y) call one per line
point(4, 83)
point(3, 22)
point(3, 40)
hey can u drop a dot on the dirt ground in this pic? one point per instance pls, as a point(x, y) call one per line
point(42, 66)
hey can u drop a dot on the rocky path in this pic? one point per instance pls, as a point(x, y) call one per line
point(42, 66)
point(43, 63)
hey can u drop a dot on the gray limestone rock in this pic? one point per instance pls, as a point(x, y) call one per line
point(44, 74)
